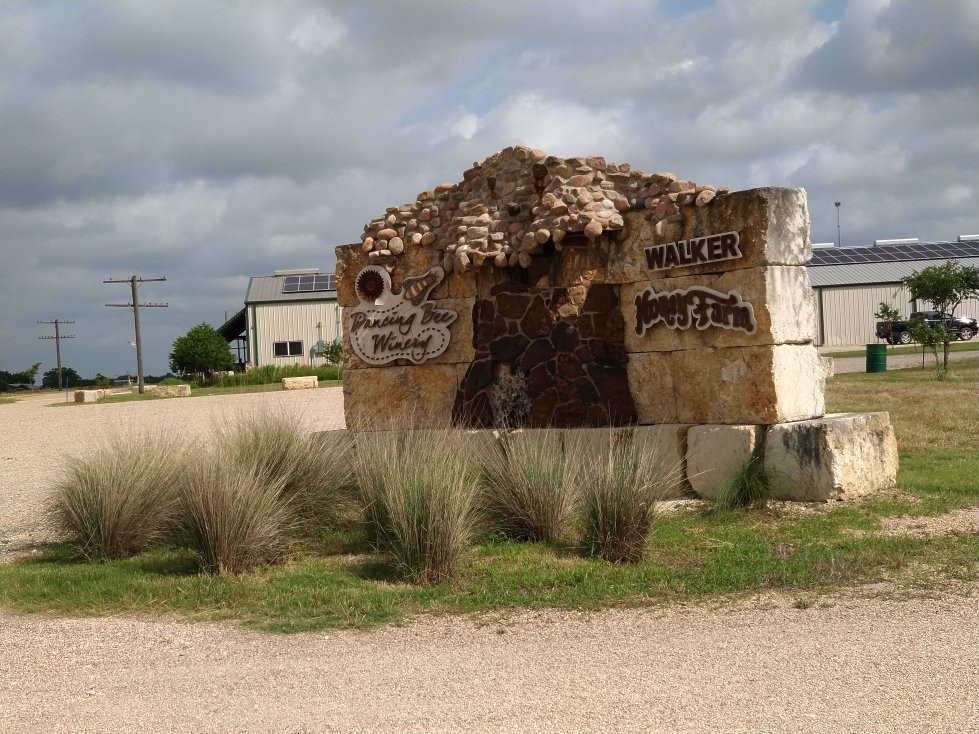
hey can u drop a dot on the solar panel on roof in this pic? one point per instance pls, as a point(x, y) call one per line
point(894, 253)
point(309, 283)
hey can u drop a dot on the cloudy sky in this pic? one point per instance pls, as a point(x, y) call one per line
point(212, 140)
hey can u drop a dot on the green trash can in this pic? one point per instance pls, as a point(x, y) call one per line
point(876, 358)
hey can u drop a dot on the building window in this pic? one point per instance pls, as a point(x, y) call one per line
point(287, 349)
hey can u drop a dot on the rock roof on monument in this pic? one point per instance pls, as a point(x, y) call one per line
point(519, 201)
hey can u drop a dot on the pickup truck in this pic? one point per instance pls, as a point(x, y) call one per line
point(896, 332)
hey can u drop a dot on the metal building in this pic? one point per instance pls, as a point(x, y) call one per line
point(850, 283)
point(289, 317)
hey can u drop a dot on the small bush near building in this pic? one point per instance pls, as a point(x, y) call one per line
point(527, 490)
point(620, 486)
point(418, 490)
point(271, 373)
point(121, 499)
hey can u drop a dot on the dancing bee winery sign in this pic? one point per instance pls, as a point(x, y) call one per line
point(387, 326)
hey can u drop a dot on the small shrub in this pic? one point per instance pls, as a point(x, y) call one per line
point(236, 519)
point(270, 374)
point(121, 499)
point(747, 487)
point(417, 490)
point(620, 488)
point(316, 473)
point(526, 488)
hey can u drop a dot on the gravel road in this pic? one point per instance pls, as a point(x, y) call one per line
point(897, 361)
point(35, 438)
point(844, 664)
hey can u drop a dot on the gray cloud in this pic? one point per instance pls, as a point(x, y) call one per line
point(214, 141)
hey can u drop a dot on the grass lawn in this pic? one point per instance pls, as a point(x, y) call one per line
point(336, 580)
point(971, 346)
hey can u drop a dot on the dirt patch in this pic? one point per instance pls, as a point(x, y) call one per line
point(958, 521)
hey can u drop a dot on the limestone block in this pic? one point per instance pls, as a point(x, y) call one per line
point(770, 384)
point(666, 444)
point(459, 285)
point(716, 453)
point(781, 298)
point(772, 224)
point(168, 391)
point(415, 260)
point(299, 383)
point(829, 367)
point(651, 383)
point(389, 398)
point(839, 456)
point(90, 396)
point(460, 349)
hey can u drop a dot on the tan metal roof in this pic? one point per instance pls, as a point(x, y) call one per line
point(268, 289)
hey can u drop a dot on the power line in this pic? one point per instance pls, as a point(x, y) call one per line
point(134, 282)
point(58, 336)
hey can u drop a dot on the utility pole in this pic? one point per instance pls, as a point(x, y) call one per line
point(839, 238)
point(58, 336)
point(134, 282)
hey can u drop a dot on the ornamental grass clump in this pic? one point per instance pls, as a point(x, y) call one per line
point(315, 470)
point(620, 485)
point(234, 517)
point(121, 499)
point(417, 489)
point(527, 491)
point(747, 487)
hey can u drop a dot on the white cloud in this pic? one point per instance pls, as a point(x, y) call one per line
point(317, 32)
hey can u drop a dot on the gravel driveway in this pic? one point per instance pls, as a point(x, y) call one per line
point(841, 665)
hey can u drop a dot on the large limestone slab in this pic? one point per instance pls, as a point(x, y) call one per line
point(459, 351)
point(772, 225)
point(764, 385)
point(168, 391)
point(717, 453)
point(351, 259)
point(839, 456)
point(651, 384)
point(388, 398)
point(305, 382)
point(781, 298)
point(665, 445)
point(90, 396)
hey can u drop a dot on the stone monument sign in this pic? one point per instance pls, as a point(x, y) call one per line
point(574, 293)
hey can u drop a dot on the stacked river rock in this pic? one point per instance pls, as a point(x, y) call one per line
point(509, 206)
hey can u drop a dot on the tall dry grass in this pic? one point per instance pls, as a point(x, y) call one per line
point(122, 498)
point(747, 487)
point(417, 489)
point(527, 488)
point(235, 517)
point(620, 483)
point(315, 470)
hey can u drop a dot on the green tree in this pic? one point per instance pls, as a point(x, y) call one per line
point(68, 377)
point(944, 287)
point(16, 378)
point(886, 313)
point(201, 350)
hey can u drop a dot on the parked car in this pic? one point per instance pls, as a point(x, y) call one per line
point(896, 332)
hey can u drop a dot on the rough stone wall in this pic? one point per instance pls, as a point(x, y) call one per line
point(542, 360)
point(544, 269)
